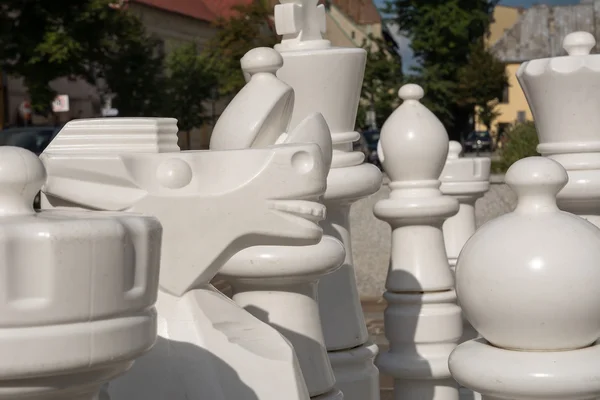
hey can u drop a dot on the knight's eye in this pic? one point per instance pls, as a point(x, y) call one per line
point(303, 161)
point(174, 173)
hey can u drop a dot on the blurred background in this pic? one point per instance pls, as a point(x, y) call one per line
point(180, 58)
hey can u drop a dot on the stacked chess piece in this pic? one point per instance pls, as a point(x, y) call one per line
point(212, 205)
point(79, 289)
point(328, 80)
point(423, 324)
point(535, 300)
point(278, 284)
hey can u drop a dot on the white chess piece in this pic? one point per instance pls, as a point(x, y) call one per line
point(278, 284)
point(328, 80)
point(212, 204)
point(422, 321)
point(79, 290)
point(465, 179)
point(528, 282)
point(563, 93)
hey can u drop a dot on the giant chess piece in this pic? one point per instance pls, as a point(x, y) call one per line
point(278, 284)
point(465, 179)
point(528, 282)
point(423, 324)
point(77, 305)
point(328, 80)
point(564, 96)
point(212, 205)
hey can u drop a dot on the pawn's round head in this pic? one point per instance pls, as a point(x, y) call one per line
point(528, 280)
point(22, 175)
point(536, 181)
point(413, 140)
point(579, 43)
point(261, 60)
point(454, 150)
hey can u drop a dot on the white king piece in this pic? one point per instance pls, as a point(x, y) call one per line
point(564, 96)
point(328, 80)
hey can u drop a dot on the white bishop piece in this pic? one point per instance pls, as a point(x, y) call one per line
point(278, 284)
point(528, 283)
point(79, 290)
point(564, 96)
point(422, 321)
point(328, 80)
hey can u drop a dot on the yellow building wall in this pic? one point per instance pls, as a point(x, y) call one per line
point(504, 19)
point(509, 111)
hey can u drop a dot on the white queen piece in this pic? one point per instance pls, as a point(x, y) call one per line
point(564, 96)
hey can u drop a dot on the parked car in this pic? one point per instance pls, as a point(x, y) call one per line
point(478, 141)
point(371, 137)
point(32, 138)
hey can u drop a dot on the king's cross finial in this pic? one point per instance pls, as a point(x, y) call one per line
point(299, 22)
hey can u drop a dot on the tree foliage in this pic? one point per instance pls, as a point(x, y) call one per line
point(383, 78)
point(447, 41)
point(189, 84)
point(250, 27)
point(520, 141)
point(93, 40)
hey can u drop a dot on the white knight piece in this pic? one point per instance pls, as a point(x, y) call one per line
point(212, 205)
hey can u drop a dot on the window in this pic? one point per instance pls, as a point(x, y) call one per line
point(353, 34)
point(505, 94)
point(521, 117)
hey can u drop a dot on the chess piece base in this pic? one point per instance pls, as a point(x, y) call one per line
point(519, 375)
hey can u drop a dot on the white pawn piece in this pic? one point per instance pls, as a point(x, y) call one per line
point(212, 205)
point(278, 284)
point(328, 80)
point(79, 290)
point(535, 301)
point(564, 96)
point(422, 321)
point(465, 179)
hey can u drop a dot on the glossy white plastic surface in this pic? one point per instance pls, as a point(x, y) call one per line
point(212, 204)
point(328, 80)
point(79, 290)
point(563, 96)
point(278, 284)
point(422, 321)
point(536, 306)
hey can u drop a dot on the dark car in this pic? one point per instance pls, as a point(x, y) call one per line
point(478, 141)
point(371, 138)
point(32, 138)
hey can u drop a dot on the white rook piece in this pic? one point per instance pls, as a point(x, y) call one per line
point(278, 284)
point(422, 321)
point(212, 205)
point(79, 289)
point(328, 80)
point(465, 179)
point(535, 301)
point(564, 96)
